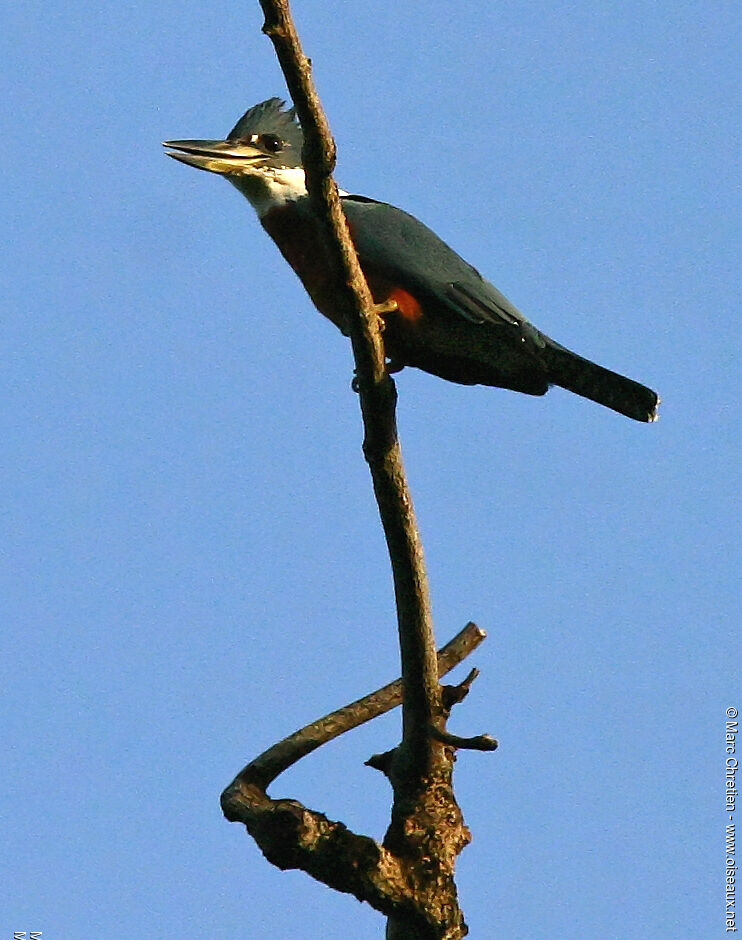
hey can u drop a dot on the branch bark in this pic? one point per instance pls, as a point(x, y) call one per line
point(271, 763)
point(377, 393)
point(292, 836)
point(410, 876)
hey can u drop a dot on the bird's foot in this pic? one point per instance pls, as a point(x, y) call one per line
point(392, 367)
point(388, 306)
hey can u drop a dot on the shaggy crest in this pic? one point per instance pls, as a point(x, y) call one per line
point(269, 117)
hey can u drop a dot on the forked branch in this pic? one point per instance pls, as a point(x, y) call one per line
point(292, 836)
point(264, 769)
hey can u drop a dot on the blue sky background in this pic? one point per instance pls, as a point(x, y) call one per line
point(192, 564)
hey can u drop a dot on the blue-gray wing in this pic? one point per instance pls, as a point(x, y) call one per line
point(487, 340)
point(399, 247)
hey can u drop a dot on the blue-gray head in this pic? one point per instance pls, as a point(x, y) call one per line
point(267, 135)
point(273, 127)
point(261, 155)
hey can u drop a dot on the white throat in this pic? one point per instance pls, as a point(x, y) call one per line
point(271, 187)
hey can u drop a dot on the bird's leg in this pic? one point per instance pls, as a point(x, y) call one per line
point(388, 306)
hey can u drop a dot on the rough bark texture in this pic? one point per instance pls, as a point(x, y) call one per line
point(292, 836)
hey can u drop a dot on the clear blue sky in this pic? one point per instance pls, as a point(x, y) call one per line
point(192, 564)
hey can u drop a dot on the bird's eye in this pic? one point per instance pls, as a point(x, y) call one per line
point(271, 143)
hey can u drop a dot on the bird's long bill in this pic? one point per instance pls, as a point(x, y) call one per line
point(216, 156)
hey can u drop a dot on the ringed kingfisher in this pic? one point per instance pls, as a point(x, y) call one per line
point(442, 315)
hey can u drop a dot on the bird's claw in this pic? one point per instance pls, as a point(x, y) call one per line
point(388, 306)
point(392, 367)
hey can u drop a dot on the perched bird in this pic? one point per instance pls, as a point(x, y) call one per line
point(446, 318)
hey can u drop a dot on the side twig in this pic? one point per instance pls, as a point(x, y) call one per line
point(264, 769)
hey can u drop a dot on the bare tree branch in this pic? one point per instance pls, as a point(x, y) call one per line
point(480, 742)
point(421, 706)
point(410, 876)
point(292, 836)
point(264, 769)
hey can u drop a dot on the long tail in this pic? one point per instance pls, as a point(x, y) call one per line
point(590, 380)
